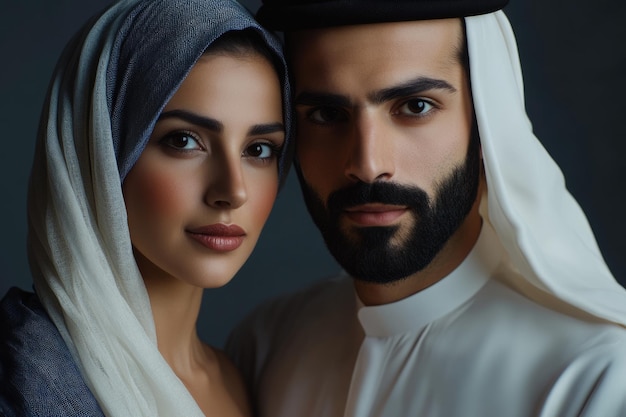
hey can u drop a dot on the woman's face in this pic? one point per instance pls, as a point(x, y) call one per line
point(203, 188)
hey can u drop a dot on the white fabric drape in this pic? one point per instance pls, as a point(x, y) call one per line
point(80, 251)
point(79, 219)
point(542, 227)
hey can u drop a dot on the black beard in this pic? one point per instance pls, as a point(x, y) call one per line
point(387, 254)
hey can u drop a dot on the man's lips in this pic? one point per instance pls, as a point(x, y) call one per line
point(219, 237)
point(374, 214)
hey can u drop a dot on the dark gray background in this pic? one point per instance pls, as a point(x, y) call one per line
point(574, 63)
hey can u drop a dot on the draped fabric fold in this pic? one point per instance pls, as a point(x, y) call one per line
point(546, 234)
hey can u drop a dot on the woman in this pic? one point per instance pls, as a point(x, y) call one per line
point(160, 152)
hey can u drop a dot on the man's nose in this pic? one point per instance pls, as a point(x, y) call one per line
point(370, 154)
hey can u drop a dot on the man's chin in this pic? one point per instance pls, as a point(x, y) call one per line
point(372, 258)
point(372, 237)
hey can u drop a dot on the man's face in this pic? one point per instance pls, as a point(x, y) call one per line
point(384, 119)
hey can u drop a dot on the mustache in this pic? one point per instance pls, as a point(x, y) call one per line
point(378, 192)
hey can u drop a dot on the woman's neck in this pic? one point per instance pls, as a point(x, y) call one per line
point(211, 379)
point(175, 308)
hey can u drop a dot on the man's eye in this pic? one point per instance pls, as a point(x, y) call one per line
point(261, 150)
point(323, 115)
point(181, 141)
point(415, 107)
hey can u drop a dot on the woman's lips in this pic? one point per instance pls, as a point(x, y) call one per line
point(219, 237)
point(374, 214)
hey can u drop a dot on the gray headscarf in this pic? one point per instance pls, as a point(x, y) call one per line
point(110, 85)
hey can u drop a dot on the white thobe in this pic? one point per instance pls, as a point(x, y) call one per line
point(467, 346)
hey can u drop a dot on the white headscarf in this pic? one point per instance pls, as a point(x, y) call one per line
point(109, 87)
point(543, 229)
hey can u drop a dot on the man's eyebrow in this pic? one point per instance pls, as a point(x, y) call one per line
point(206, 122)
point(409, 88)
point(266, 129)
point(307, 98)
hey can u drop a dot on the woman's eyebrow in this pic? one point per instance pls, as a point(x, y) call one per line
point(193, 118)
point(265, 129)
point(216, 126)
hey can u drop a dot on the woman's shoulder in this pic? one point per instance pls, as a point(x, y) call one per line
point(229, 392)
point(231, 375)
point(37, 371)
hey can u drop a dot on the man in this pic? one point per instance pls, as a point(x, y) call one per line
point(473, 283)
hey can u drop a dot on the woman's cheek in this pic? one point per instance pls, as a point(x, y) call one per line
point(265, 192)
point(153, 196)
point(163, 193)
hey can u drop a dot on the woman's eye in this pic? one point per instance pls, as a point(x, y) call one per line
point(326, 115)
point(181, 141)
point(416, 107)
point(261, 150)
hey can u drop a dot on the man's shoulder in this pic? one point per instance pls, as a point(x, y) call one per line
point(592, 382)
point(544, 329)
point(336, 287)
point(308, 313)
point(302, 305)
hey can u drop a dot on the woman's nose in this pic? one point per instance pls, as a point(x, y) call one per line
point(227, 188)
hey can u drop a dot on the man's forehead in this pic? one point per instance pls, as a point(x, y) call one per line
point(397, 37)
point(366, 27)
point(361, 60)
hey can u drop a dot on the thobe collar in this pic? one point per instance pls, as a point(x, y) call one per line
point(416, 311)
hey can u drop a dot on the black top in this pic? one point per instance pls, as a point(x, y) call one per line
point(291, 15)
